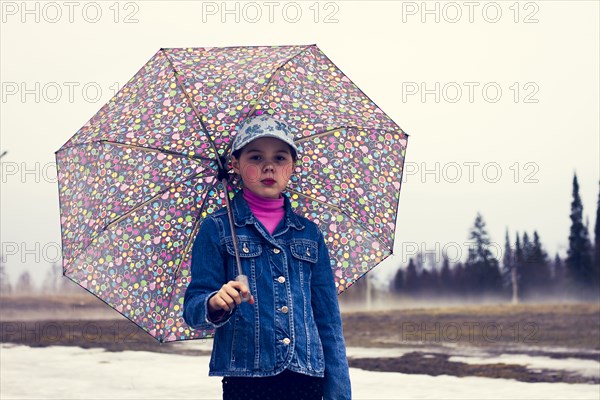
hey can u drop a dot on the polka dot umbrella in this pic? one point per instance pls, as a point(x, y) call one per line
point(137, 180)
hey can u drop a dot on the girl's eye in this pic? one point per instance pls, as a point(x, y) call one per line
point(255, 158)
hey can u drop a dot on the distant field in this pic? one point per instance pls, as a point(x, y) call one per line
point(574, 326)
point(47, 307)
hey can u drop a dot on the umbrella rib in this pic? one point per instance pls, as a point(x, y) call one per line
point(73, 146)
point(324, 133)
point(192, 235)
point(318, 201)
point(138, 147)
point(151, 149)
point(190, 242)
point(210, 141)
point(142, 328)
point(359, 89)
point(366, 229)
point(128, 213)
point(264, 89)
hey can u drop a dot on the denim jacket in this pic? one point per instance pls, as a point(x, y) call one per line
point(295, 321)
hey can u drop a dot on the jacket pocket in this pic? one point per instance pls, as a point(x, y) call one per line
point(250, 251)
point(246, 247)
point(305, 250)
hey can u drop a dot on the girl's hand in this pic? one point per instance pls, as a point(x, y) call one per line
point(229, 296)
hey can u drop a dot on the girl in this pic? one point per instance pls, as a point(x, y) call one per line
point(286, 341)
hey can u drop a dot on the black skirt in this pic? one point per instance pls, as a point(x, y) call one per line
point(287, 385)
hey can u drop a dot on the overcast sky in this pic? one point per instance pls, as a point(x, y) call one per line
point(500, 100)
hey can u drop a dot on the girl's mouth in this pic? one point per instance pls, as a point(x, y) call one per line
point(268, 182)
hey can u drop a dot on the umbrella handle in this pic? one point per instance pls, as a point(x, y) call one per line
point(240, 277)
point(243, 279)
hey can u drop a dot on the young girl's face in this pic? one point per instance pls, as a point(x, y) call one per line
point(265, 165)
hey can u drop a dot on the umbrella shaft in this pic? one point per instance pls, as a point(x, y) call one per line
point(231, 225)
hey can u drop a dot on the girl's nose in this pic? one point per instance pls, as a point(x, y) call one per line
point(268, 167)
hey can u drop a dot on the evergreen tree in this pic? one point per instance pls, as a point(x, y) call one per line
point(527, 248)
point(540, 266)
point(411, 281)
point(481, 266)
point(425, 283)
point(509, 272)
point(459, 284)
point(5, 286)
point(398, 283)
point(558, 275)
point(526, 278)
point(579, 255)
point(597, 246)
point(534, 267)
point(446, 281)
point(518, 252)
point(419, 262)
point(507, 259)
point(518, 264)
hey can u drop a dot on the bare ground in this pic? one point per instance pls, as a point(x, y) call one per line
point(558, 331)
point(430, 335)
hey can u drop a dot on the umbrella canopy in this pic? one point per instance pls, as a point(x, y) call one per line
point(137, 180)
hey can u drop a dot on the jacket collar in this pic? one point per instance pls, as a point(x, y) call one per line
point(242, 214)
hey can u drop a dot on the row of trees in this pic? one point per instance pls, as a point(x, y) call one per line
point(525, 270)
point(54, 282)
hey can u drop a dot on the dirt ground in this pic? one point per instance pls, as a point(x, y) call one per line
point(559, 331)
point(432, 335)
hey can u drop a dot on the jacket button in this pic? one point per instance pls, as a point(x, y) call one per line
point(285, 309)
point(286, 341)
point(281, 279)
point(276, 251)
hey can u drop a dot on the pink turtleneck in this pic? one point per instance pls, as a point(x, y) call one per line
point(268, 211)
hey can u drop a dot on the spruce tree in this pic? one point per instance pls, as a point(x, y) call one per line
point(540, 265)
point(398, 283)
point(597, 247)
point(518, 263)
point(481, 266)
point(579, 255)
point(411, 281)
point(526, 278)
point(509, 271)
point(426, 282)
point(558, 275)
point(446, 281)
point(459, 285)
point(5, 286)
